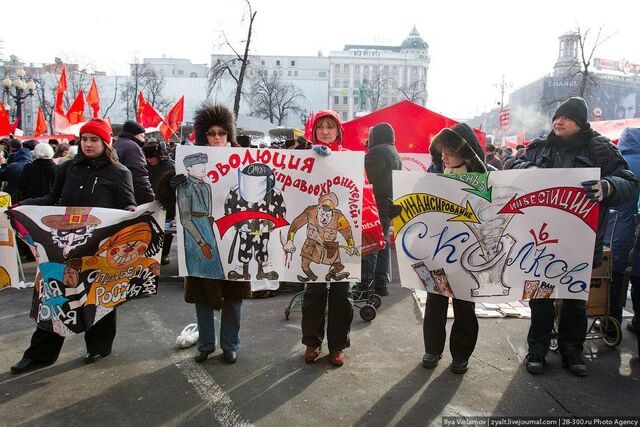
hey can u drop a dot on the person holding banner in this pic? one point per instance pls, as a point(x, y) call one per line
point(93, 179)
point(326, 136)
point(573, 144)
point(214, 126)
point(453, 150)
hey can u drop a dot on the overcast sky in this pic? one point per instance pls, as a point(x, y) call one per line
point(471, 43)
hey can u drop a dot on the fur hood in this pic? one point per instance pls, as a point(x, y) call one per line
point(213, 115)
point(462, 140)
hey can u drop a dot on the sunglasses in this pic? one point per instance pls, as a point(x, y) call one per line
point(214, 133)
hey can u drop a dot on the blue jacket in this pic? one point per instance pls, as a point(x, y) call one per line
point(624, 237)
point(13, 171)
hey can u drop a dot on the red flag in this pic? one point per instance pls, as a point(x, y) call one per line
point(173, 119)
point(62, 87)
point(14, 126)
point(76, 111)
point(41, 124)
point(192, 136)
point(5, 121)
point(93, 98)
point(148, 116)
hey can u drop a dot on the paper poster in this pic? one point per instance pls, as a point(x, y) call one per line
point(496, 237)
point(415, 162)
point(90, 260)
point(256, 214)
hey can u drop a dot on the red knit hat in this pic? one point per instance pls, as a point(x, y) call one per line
point(99, 127)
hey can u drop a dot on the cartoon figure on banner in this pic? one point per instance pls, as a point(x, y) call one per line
point(255, 208)
point(323, 222)
point(5, 280)
point(194, 205)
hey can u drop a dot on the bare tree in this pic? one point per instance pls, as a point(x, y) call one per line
point(224, 66)
point(586, 56)
point(415, 91)
point(370, 92)
point(147, 81)
point(115, 96)
point(273, 100)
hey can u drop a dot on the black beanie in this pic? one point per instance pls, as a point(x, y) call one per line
point(132, 128)
point(576, 109)
point(382, 133)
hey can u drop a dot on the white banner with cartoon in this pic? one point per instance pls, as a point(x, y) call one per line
point(90, 260)
point(496, 237)
point(8, 249)
point(255, 214)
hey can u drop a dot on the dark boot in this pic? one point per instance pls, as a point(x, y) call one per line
point(615, 291)
point(634, 325)
point(270, 275)
point(234, 275)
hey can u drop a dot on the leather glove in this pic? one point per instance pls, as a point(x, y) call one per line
point(206, 250)
point(597, 190)
point(394, 210)
point(177, 180)
point(322, 150)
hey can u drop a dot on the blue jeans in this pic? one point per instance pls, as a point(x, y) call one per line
point(229, 326)
point(378, 264)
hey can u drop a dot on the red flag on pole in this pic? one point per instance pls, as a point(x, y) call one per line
point(173, 119)
point(148, 116)
point(62, 87)
point(75, 114)
point(93, 98)
point(41, 124)
point(15, 125)
point(192, 136)
point(5, 121)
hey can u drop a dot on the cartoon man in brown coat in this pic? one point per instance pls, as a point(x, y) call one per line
point(323, 222)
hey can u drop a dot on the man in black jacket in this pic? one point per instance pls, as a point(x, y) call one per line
point(379, 162)
point(573, 144)
point(128, 146)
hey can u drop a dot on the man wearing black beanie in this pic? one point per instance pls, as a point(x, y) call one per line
point(128, 146)
point(573, 144)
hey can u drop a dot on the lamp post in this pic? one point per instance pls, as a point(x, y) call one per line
point(20, 86)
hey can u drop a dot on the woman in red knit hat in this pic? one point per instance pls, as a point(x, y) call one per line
point(93, 178)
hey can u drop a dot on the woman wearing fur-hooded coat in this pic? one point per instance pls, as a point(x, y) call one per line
point(453, 150)
point(214, 126)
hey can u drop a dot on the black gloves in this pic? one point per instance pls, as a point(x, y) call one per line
point(597, 190)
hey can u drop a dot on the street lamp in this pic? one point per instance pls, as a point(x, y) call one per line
point(19, 86)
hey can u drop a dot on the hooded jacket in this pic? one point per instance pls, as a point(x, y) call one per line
point(585, 149)
point(462, 140)
point(13, 171)
point(130, 155)
point(380, 162)
point(335, 145)
point(37, 178)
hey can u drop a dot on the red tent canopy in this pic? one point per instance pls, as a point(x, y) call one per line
point(414, 127)
point(613, 128)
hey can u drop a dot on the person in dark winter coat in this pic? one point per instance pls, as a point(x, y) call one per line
point(379, 163)
point(158, 164)
point(37, 177)
point(128, 146)
point(573, 144)
point(625, 238)
point(13, 171)
point(453, 150)
point(214, 126)
point(491, 158)
point(93, 178)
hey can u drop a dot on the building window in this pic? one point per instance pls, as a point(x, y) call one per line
point(337, 68)
point(277, 63)
point(393, 100)
point(289, 73)
point(275, 73)
point(321, 74)
point(374, 69)
point(280, 73)
point(262, 62)
point(293, 63)
point(395, 69)
point(295, 73)
point(356, 101)
point(344, 116)
point(345, 83)
point(365, 69)
point(193, 75)
point(356, 69)
point(336, 100)
point(386, 69)
point(414, 71)
point(180, 72)
point(345, 100)
point(356, 82)
point(384, 101)
point(336, 83)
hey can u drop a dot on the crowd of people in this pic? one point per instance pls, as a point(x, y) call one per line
point(132, 170)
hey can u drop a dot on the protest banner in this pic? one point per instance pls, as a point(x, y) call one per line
point(8, 250)
point(90, 260)
point(234, 199)
point(496, 237)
